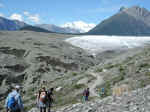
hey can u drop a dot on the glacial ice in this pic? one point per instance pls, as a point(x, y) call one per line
point(97, 44)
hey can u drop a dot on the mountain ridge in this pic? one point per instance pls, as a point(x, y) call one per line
point(57, 29)
point(36, 29)
point(11, 25)
point(129, 21)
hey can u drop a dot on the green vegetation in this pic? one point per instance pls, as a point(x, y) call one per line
point(142, 84)
point(121, 69)
point(147, 74)
point(33, 97)
point(66, 95)
point(109, 66)
point(99, 70)
point(117, 79)
point(74, 74)
point(78, 86)
point(143, 65)
point(30, 91)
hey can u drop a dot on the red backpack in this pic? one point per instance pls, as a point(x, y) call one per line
point(43, 96)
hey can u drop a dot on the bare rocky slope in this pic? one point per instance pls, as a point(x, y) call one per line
point(34, 59)
point(131, 69)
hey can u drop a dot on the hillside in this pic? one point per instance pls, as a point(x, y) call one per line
point(131, 69)
point(15, 25)
point(35, 59)
point(57, 29)
point(132, 21)
point(36, 29)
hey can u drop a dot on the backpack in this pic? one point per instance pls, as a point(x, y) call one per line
point(87, 93)
point(43, 96)
point(103, 90)
point(12, 103)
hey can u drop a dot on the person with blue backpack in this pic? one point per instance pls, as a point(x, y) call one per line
point(102, 92)
point(13, 101)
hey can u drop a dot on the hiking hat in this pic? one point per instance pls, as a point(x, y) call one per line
point(17, 87)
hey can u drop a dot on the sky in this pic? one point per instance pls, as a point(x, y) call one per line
point(65, 12)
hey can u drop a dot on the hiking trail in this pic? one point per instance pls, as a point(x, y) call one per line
point(92, 86)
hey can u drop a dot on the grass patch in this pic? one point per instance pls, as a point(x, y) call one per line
point(33, 97)
point(110, 66)
point(99, 70)
point(143, 65)
point(78, 86)
point(118, 78)
point(142, 84)
point(121, 69)
point(30, 91)
point(74, 74)
point(147, 74)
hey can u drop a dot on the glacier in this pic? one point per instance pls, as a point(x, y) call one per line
point(97, 44)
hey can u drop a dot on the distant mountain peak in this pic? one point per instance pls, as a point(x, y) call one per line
point(137, 11)
point(128, 21)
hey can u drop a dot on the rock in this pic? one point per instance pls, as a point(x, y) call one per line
point(58, 89)
point(34, 110)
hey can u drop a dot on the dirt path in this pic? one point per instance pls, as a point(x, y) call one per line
point(92, 86)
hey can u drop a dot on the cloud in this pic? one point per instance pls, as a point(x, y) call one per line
point(26, 13)
point(35, 18)
point(16, 16)
point(2, 15)
point(79, 25)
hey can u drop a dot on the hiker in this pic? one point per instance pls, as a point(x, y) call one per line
point(42, 99)
point(86, 94)
point(102, 92)
point(13, 101)
point(50, 98)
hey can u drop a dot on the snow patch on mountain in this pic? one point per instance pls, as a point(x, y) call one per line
point(81, 26)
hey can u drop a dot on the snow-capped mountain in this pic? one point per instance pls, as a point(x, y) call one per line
point(69, 27)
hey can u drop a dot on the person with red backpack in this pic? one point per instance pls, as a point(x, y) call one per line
point(42, 99)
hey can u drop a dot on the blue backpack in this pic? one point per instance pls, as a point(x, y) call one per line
point(12, 103)
point(102, 90)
